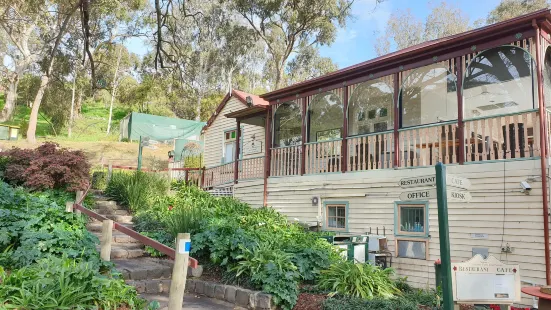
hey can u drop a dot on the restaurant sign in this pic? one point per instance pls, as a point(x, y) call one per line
point(485, 281)
point(430, 180)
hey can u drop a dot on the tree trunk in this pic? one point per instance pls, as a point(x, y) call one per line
point(10, 99)
point(33, 118)
point(72, 115)
point(279, 76)
point(198, 107)
point(114, 91)
point(78, 105)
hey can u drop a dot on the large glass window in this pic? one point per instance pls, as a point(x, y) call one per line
point(428, 96)
point(325, 117)
point(370, 108)
point(547, 78)
point(498, 81)
point(288, 124)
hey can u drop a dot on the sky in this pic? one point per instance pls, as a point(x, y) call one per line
point(355, 43)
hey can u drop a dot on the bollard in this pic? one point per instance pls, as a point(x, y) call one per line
point(69, 206)
point(106, 240)
point(179, 272)
point(79, 199)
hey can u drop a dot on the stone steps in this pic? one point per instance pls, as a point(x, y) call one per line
point(118, 237)
point(96, 226)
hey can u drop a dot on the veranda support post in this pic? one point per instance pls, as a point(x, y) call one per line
point(179, 272)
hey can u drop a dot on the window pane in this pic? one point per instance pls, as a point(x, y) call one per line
point(499, 81)
point(332, 211)
point(233, 134)
point(288, 124)
point(412, 249)
point(412, 219)
point(428, 96)
point(325, 117)
point(341, 211)
point(341, 222)
point(370, 108)
point(227, 135)
point(332, 222)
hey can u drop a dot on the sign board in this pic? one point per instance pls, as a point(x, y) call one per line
point(479, 236)
point(459, 195)
point(253, 147)
point(485, 281)
point(430, 180)
point(430, 193)
point(421, 194)
point(185, 246)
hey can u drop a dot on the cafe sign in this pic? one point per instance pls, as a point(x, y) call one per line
point(485, 281)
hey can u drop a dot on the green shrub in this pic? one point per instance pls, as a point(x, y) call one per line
point(365, 281)
point(136, 190)
point(61, 283)
point(407, 301)
point(99, 180)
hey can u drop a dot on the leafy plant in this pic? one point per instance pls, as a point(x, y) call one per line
point(99, 180)
point(365, 281)
point(136, 190)
point(46, 167)
point(407, 301)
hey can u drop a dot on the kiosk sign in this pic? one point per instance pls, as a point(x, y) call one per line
point(485, 281)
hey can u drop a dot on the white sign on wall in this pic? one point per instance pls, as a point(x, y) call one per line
point(430, 180)
point(252, 147)
point(430, 193)
point(485, 281)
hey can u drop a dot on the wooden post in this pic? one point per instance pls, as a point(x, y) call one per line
point(237, 151)
point(109, 172)
point(69, 206)
point(106, 240)
point(460, 123)
point(203, 177)
point(303, 135)
point(344, 145)
point(397, 110)
point(186, 176)
point(267, 152)
point(179, 272)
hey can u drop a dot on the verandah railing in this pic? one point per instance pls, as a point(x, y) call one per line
point(251, 168)
point(323, 157)
point(491, 138)
point(218, 175)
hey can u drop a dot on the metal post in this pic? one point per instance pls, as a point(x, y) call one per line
point(444, 235)
point(140, 155)
point(106, 240)
point(179, 272)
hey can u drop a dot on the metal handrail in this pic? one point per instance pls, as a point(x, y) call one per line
point(170, 252)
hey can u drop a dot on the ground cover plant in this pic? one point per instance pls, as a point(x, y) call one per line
point(48, 260)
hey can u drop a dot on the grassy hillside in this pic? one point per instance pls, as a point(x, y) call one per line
point(89, 135)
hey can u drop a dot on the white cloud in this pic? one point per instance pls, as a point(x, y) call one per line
point(369, 11)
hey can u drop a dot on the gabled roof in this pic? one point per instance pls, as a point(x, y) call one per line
point(242, 97)
point(434, 47)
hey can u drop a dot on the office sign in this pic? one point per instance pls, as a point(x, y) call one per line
point(421, 194)
point(485, 281)
point(430, 180)
point(430, 193)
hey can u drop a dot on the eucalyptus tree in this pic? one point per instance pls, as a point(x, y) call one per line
point(508, 9)
point(286, 26)
point(308, 64)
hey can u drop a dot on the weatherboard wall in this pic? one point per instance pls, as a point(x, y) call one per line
point(214, 134)
point(498, 208)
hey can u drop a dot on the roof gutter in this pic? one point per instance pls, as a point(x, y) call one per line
point(544, 152)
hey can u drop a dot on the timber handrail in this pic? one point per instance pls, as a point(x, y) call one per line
point(168, 251)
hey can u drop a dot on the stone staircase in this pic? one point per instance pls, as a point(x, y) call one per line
point(147, 274)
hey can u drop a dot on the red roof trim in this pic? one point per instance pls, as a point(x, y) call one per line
point(242, 97)
point(407, 53)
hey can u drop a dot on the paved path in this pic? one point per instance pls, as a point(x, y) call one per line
point(192, 301)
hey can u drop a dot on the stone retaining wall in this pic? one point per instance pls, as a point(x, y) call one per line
point(236, 295)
